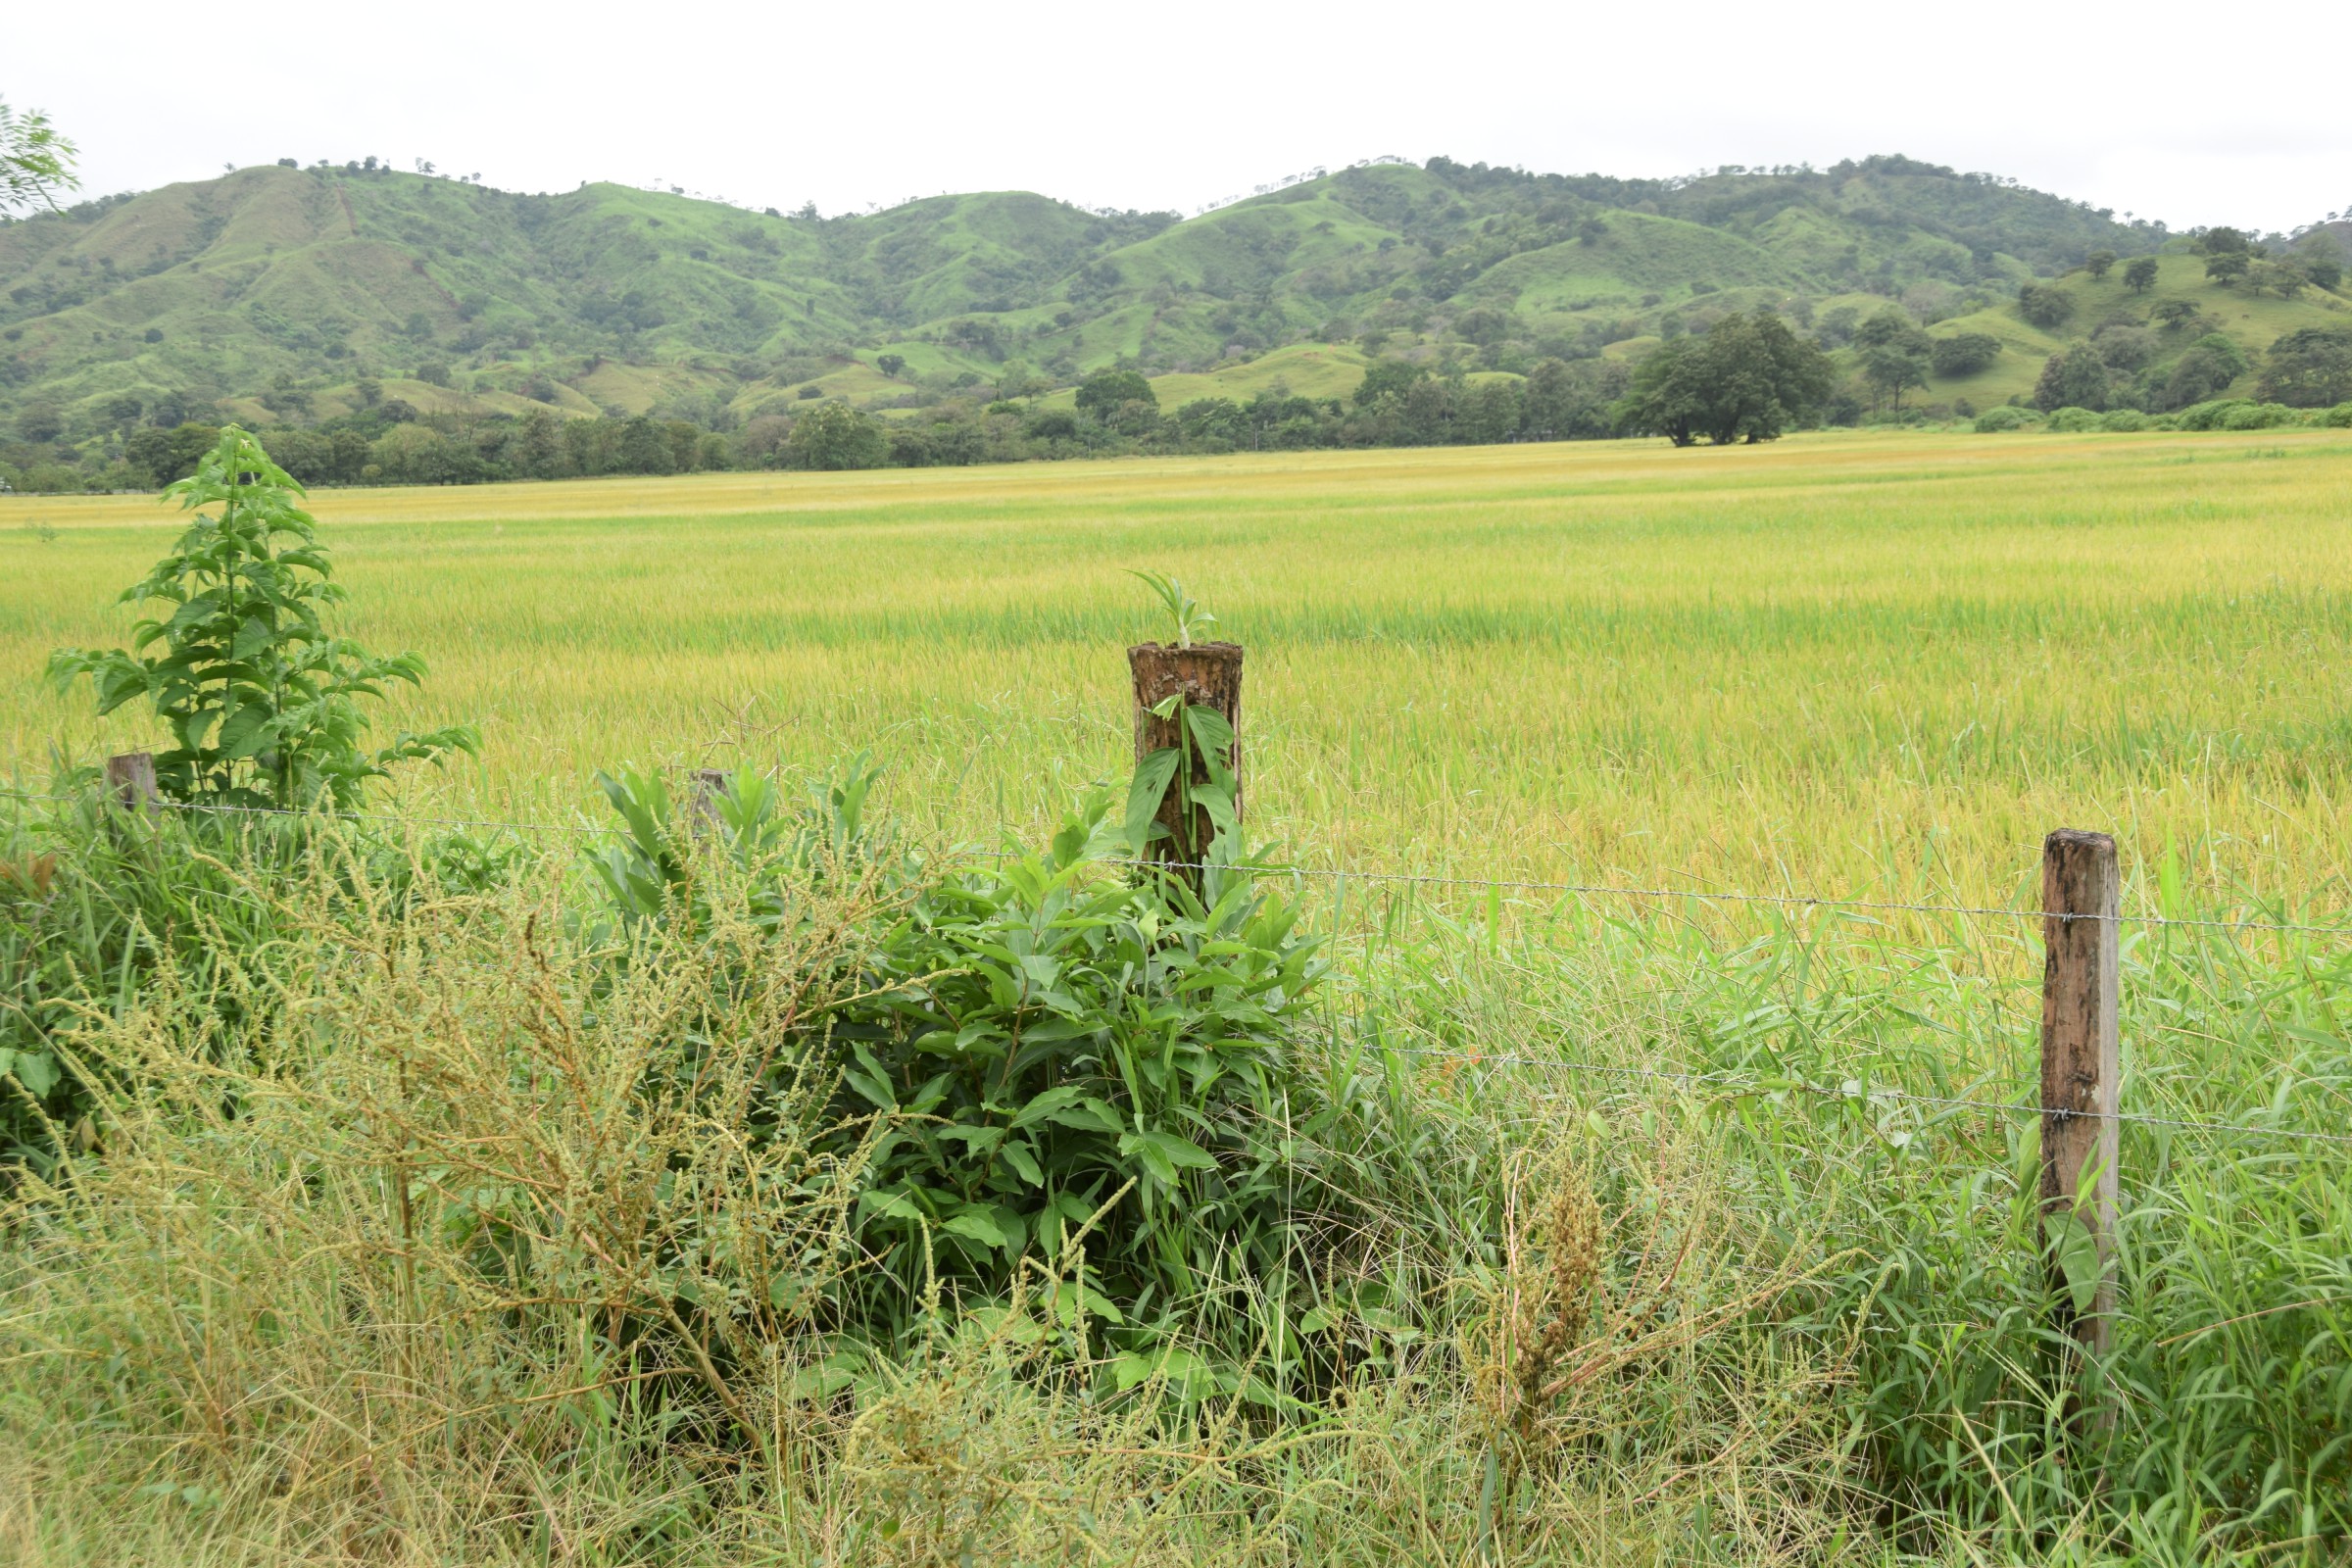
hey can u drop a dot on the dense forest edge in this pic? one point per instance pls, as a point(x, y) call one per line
point(406, 327)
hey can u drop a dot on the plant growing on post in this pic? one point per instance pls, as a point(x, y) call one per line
point(1186, 795)
point(261, 701)
point(1183, 609)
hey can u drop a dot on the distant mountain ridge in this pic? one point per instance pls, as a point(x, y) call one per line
point(283, 292)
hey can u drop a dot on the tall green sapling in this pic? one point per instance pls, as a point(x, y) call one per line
point(260, 698)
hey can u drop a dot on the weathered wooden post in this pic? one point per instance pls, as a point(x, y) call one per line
point(1208, 674)
point(702, 813)
point(2081, 1070)
point(131, 780)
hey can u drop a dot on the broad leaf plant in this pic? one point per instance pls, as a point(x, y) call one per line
point(260, 698)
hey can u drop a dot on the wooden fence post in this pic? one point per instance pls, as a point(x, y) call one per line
point(702, 813)
point(131, 780)
point(2081, 897)
point(1206, 674)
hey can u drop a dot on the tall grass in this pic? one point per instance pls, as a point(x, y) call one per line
point(420, 1257)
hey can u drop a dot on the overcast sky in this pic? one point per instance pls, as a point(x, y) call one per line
point(2188, 116)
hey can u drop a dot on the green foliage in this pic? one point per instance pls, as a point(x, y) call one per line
point(1071, 1072)
point(35, 161)
point(1995, 420)
point(1749, 378)
point(2044, 304)
point(1894, 353)
point(2140, 274)
point(1964, 354)
point(1387, 384)
point(2098, 263)
point(1184, 610)
point(2309, 369)
point(261, 701)
point(1105, 395)
point(1068, 1055)
point(834, 436)
point(2075, 378)
point(2075, 421)
point(2226, 268)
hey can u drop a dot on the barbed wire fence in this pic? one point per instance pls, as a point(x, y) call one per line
point(2077, 1102)
point(1851, 1090)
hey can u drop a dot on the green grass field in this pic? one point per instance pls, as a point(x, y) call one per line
point(1863, 664)
point(369, 1261)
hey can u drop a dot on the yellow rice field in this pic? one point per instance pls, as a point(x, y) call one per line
point(1868, 664)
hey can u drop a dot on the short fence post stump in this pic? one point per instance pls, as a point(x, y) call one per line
point(2081, 1070)
point(702, 813)
point(1208, 674)
point(131, 781)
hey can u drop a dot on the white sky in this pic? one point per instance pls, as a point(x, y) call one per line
point(2151, 107)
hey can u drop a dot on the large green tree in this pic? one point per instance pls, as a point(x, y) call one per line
point(2140, 274)
point(1894, 353)
point(2309, 369)
point(1964, 354)
point(2044, 304)
point(1749, 378)
point(2075, 378)
point(834, 436)
point(1106, 394)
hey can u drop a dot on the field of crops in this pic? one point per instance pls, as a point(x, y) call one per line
point(1846, 662)
point(433, 1204)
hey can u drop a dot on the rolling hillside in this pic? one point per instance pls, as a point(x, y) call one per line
point(294, 295)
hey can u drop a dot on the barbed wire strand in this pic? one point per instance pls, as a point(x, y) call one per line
point(1751, 1086)
point(1481, 1059)
point(2336, 925)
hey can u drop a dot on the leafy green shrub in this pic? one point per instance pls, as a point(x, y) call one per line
point(2257, 416)
point(2339, 417)
point(2124, 420)
point(2006, 417)
point(2074, 421)
point(1075, 1072)
point(2204, 415)
point(262, 702)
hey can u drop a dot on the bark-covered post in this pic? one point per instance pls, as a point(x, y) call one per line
point(131, 781)
point(1206, 674)
point(702, 811)
point(2081, 1070)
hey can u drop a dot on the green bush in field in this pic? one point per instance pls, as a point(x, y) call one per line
point(2006, 417)
point(2339, 417)
point(2257, 416)
point(2074, 421)
point(1059, 1055)
point(261, 701)
point(2124, 419)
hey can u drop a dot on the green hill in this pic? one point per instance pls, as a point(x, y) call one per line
point(298, 294)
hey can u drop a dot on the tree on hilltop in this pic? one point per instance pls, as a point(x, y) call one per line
point(1964, 354)
point(2044, 306)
